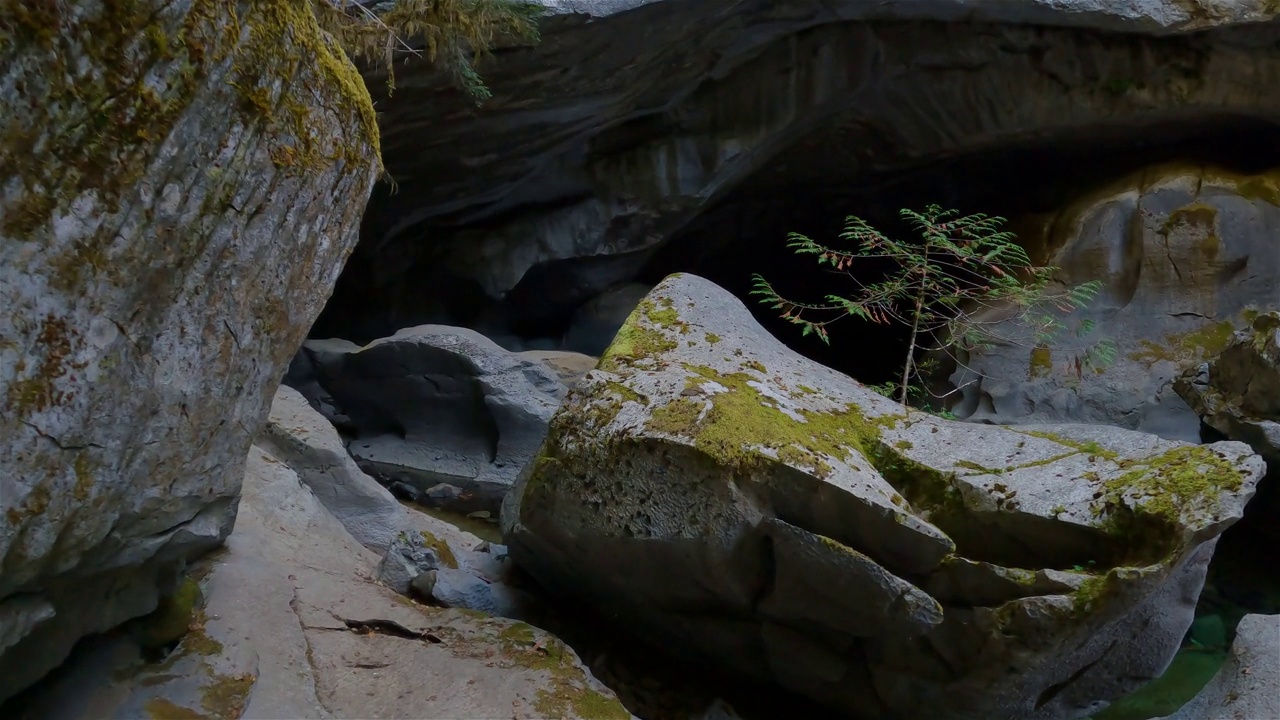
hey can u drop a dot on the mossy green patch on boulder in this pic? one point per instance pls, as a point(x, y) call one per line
point(148, 222)
point(173, 618)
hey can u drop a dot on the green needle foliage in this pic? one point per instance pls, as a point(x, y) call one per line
point(946, 288)
point(455, 33)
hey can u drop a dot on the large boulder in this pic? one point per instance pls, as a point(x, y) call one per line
point(435, 405)
point(1248, 685)
point(293, 627)
point(180, 183)
point(1186, 255)
point(616, 131)
point(724, 495)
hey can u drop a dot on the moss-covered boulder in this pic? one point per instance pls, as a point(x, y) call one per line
point(738, 501)
point(180, 183)
point(1186, 255)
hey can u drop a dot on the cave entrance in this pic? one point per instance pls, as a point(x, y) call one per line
point(746, 233)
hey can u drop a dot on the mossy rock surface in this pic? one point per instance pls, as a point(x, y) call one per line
point(181, 183)
point(173, 619)
point(834, 525)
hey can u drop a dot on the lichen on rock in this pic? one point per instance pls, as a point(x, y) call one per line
point(746, 482)
point(158, 266)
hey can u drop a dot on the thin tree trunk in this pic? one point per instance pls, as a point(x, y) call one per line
point(911, 353)
point(915, 329)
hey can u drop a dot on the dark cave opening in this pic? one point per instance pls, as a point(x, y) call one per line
point(746, 233)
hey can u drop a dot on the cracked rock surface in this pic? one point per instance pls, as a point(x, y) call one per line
point(295, 626)
point(710, 486)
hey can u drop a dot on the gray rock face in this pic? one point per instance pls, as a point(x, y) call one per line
point(616, 131)
point(1185, 254)
point(438, 405)
point(295, 627)
point(1142, 15)
point(1237, 393)
point(731, 498)
point(163, 250)
point(297, 432)
point(1247, 686)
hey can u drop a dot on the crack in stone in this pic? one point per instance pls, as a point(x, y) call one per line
point(392, 628)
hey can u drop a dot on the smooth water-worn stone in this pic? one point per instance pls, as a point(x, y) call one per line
point(436, 404)
point(615, 132)
point(302, 435)
point(712, 489)
point(409, 557)
point(180, 183)
point(570, 367)
point(1186, 255)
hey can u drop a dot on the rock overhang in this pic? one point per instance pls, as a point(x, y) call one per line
point(612, 136)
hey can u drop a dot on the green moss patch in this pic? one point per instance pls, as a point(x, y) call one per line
point(635, 341)
point(1041, 363)
point(733, 427)
point(442, 550)
point(1193, 346)
point(1088, 447)
point(287, 110)
point(176, 614)
point(1263, 187)
point(568, 695)
point(1174, 479)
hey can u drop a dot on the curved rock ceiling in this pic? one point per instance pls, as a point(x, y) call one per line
point(613, 133)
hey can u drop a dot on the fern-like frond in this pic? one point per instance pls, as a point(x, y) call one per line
point(457, 34)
